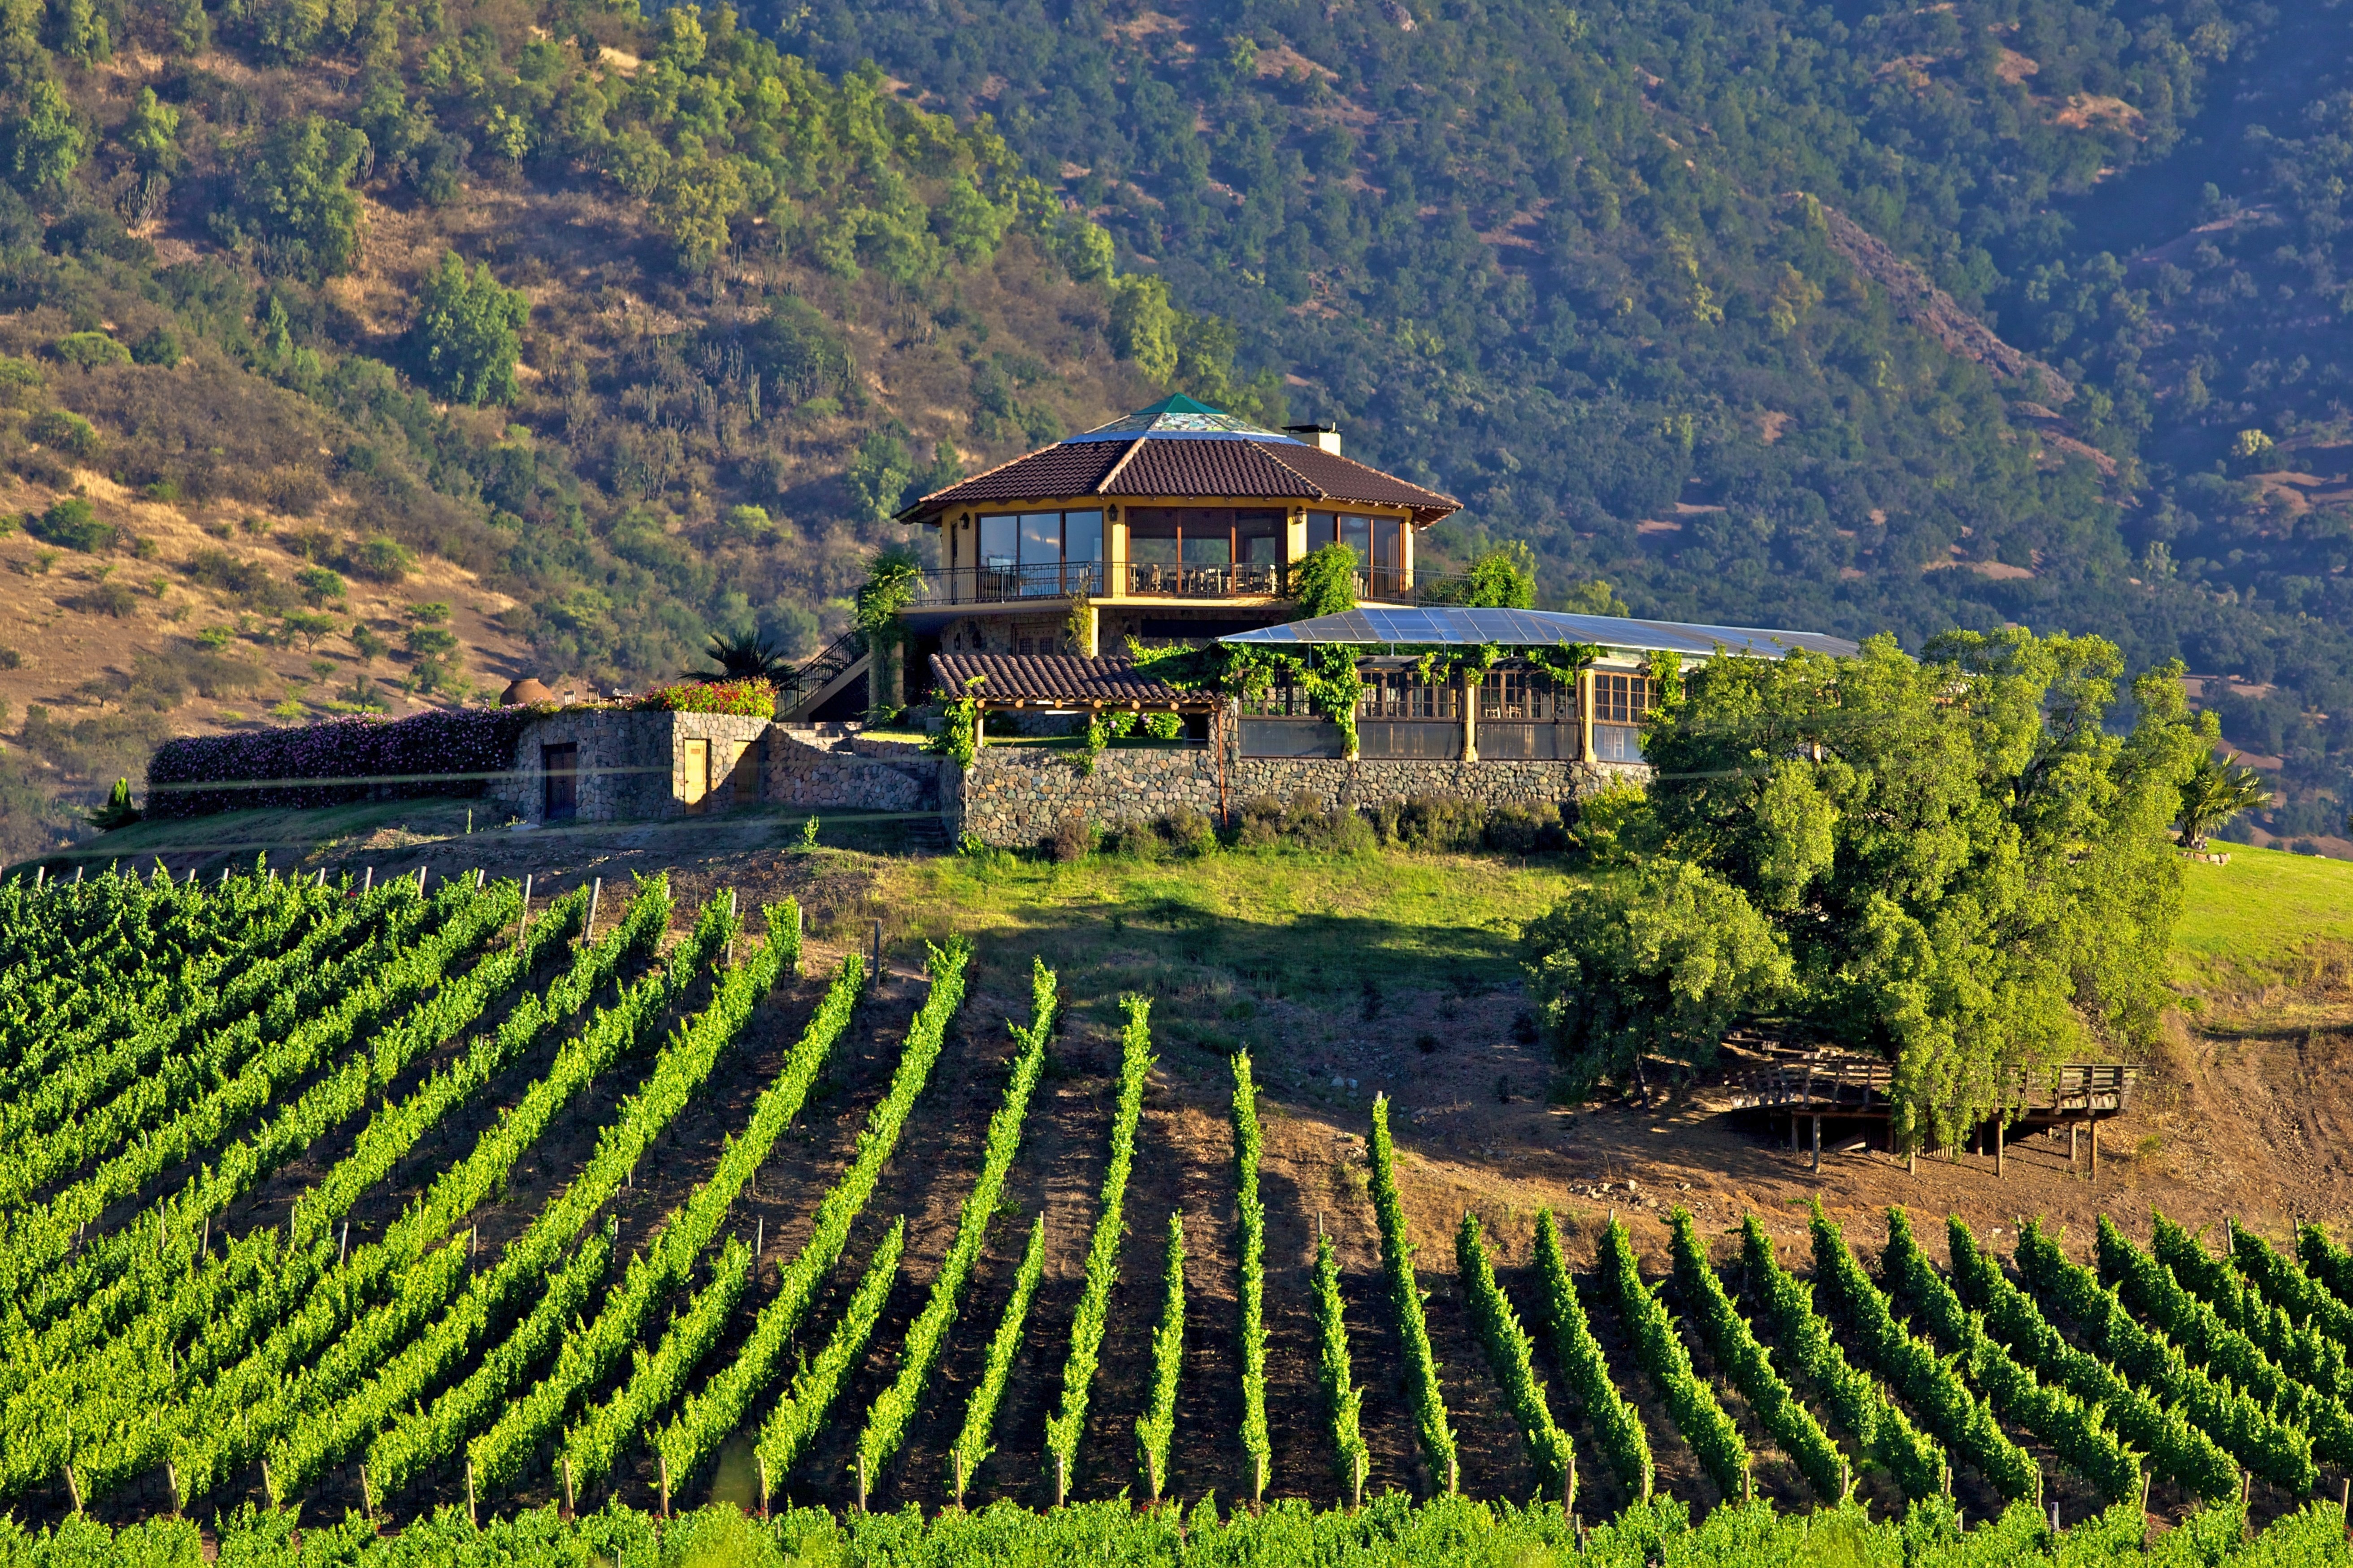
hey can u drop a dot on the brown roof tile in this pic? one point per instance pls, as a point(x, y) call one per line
point(1345, 479)
point(1071, 469)
point(1057, 680)
point(1220, 468)
point(1176, 467)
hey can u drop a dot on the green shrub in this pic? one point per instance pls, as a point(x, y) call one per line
point(379, 559)
point(1433, 821)
point(1188, 832)
point(1305, 823)
point(111, 598)
point(63, 432)
point(1524, 829)
point(90, 350)
point(468, 333)
point(158, 348)
point(74, 523)
point(1073, 840)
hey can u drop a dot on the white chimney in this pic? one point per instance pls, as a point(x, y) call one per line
point(1324, 437)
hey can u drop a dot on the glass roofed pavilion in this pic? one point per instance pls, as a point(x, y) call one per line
point(1177, 523)
point(1516, 711)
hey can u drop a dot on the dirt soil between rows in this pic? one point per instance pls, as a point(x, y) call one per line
point(2241, 1116)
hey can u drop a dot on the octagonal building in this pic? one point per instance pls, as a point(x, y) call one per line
point(1179, 522)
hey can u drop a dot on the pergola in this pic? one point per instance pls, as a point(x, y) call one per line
point(1061, 683)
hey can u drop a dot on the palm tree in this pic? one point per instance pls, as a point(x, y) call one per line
point(750, 656)
point(2217, 791)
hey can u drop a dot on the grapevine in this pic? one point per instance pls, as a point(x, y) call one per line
point(788, 1432)
point(1406, 1297)
point(1879, 1427)
point(1509, 1352)
point(894, 1407)
point(1927, 1383)
point(972, 1446)
point(2174, 1446)
point(1250, 1226)
point(2279, 1451)
point(2076, 1431)
point(1064, 1428)
point(1691, 1402)
point(1157, 1425)
point(1586, 1370)
point(1749, 1365)
point(1342, 1399)
point(712, 1415)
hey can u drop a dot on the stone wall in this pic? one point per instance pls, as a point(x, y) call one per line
point(808, 767)
point(1015, 796)
point(632, 763)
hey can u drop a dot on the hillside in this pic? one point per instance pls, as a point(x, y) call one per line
point(1593, 269)
point(1846, 317)
point(715, 313)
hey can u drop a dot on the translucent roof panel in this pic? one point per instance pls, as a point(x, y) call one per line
point(1436, 626)
point(1180, 416)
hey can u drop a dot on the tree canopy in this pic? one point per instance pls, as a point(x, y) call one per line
point(468, 333)
point(1953, 861)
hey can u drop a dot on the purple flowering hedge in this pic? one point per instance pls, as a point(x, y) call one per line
point(446, 752)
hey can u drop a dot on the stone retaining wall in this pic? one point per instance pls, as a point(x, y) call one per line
point(1016, 796)
point(806, 768)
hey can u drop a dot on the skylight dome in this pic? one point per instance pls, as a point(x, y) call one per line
point(1178, 415)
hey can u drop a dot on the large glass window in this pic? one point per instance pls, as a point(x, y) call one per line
point(1356, 534)
point(1001, 542)
point(1208, 547)
point(1322, 529)
point(1258, 538)
point(1152, 536)
point(1082, 536)
point(1620, 699)
point(1389, 544)
point(1041, 538)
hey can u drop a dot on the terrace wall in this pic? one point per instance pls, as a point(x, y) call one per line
point(807, 766)
point(1015, 797)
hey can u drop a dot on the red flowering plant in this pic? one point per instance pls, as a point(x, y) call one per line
point(364, 756)
point(744, 699)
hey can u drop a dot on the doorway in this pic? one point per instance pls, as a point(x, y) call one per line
point(698, 777)
point(559, 782)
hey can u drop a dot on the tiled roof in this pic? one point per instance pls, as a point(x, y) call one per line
point(1051, 473)
point(1211, 468)
point(1172, 466)
point(1056, 680)
point(1345, 479)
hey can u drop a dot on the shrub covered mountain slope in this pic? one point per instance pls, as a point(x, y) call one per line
point(377, 351)
point(1859, 315)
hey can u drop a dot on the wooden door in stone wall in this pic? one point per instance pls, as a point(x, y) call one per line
point(698, 777)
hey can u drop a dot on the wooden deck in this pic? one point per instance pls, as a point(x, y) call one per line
point(2077, 1096)
point(1860, 1087)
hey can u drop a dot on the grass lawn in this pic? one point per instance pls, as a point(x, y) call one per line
point(1228, 929)
point(2254, 914)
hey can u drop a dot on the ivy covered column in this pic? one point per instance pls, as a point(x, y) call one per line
point(893, 579)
